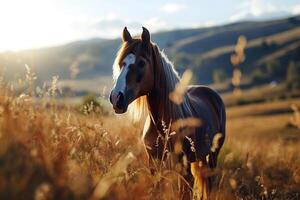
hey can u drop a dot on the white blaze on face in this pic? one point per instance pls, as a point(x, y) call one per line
point(121, 81)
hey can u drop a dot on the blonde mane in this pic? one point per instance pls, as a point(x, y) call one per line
point(169, 78)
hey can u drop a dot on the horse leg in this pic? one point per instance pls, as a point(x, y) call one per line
point(186, 185)
point(201, 188)
point(212, 163)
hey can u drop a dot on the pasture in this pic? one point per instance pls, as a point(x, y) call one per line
point(150, 100)
point(50, 150)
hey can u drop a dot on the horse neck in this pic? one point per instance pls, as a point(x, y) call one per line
point(156, 109)
point(160, 107)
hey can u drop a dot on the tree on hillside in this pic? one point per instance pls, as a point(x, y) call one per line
point(91, 104)
point(274, 68)
point(219, 75)
point(259, 76)
point(293, 75)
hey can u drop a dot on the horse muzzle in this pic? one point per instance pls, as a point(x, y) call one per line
point(119, 102)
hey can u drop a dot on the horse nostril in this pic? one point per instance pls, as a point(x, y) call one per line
point(120, 101)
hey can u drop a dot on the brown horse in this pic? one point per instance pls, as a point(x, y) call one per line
point(144, 78)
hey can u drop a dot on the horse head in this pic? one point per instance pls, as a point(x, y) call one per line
point(133, 70)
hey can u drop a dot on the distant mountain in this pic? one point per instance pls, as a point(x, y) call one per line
point(209, 51)
point(204, 50)
point(265, 16)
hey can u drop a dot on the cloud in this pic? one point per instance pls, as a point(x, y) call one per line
point(114, 26)
point(257, 9)
point(295, 10)
point(154, 24)
point(205, 24)
point(109, 26)
point(210, 23)
point(172, 7)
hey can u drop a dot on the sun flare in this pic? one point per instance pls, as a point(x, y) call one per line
point(29, 24)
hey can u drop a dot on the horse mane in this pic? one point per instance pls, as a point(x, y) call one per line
point(165, 75)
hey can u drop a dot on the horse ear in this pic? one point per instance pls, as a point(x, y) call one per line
point(146, 37)
point(126, 37)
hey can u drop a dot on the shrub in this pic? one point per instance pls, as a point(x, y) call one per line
point(293, 76)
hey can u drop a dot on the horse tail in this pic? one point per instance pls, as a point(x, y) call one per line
point(203, 184)
point(222, 127)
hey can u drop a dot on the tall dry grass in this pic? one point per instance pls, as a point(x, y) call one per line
point(236, 59)
point(49, 150)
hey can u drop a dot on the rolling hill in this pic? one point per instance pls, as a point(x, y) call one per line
point(204, 50)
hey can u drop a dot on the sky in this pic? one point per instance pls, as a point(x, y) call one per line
point(39, 23)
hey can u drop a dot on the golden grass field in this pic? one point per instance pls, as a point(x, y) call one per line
point(52, 151)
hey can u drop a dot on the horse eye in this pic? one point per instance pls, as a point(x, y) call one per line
point(123, 64)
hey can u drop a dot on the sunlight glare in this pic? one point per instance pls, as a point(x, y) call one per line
point(31, 24)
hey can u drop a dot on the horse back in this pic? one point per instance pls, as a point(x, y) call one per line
point(204, 96)
point(209, 107)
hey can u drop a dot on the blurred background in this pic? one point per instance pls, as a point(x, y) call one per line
point(78, 40)
point(60, 139)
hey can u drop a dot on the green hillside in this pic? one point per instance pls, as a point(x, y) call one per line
point(272, 45)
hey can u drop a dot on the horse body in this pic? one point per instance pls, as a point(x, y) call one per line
point(147, 82)
point(209, 108)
